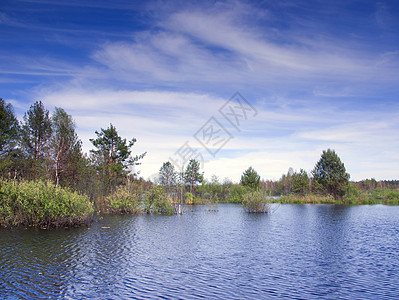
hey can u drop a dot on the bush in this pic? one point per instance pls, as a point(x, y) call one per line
point(156, 201)
point(256, 202)
point(38, 203)
point(353, 195)
point(392, 196)
point(236, 193)
point(123, 201)
point(386, 196)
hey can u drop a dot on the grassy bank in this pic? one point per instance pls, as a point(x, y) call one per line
point(377, 196)
point(41, 204)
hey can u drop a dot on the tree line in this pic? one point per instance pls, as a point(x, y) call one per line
point(329, 177)
point(45, 146)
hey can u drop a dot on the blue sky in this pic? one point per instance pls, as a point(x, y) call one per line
point(319, 74)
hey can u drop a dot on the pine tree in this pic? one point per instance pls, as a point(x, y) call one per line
point(167, 176)
point(250, 178)
point(192, 175)
point(330, 174)
point(113, 156)
point(9, 137)
point(36, 133)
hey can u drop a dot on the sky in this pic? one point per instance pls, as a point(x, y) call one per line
point(268, 84)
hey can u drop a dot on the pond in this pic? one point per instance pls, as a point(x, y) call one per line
point(297, 252)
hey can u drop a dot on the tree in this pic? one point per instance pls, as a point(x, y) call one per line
point(9, 129)
point(113, 156)
point(36, 133)
point(300, 182)
point(284, 185)
point(250, 178)
point(9, 136)
point(65, 147)
point(192, 176)
point(330, 174)
point(167, 175)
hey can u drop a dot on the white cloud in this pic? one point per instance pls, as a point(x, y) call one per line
point(283, 134)
point(163, 84)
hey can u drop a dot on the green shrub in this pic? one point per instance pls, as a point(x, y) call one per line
point(189, 198)
point(236, 193)
point(256, 202)
point(392, 197)
point(156, 201)
point(386, 196)
point(123, 201)
point(38, 203)
point(353, 195)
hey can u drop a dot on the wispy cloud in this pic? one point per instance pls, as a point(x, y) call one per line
point(314, 85)
point(219, 46)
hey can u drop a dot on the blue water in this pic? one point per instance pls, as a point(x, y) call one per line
point(297, 252)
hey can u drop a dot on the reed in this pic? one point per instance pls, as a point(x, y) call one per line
point(42, 204)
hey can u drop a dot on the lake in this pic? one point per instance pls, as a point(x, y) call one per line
point(296, 252)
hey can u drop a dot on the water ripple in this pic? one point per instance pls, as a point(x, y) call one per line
point(299, 252)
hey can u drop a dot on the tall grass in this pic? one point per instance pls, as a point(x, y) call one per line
point(41, 204)
point(353, 196)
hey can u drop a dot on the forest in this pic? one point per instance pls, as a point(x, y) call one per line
point(47, 180)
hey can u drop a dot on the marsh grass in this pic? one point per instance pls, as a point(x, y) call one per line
point(353, 196)
point(41, 204)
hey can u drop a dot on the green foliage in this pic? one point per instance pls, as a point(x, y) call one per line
point(353, 195)
point(284, 185)
point(330, 174)
point(189, 198)
point(38, 203)
point(65, 148)
point(213, 191)
point(250, 178)
point(300, 183)
point(256, 202)
point(192, 175)
point(156, 201)
point(9, 129)
point(236, 193)
point(36, 132)
point(167, 175)
point(113, 156)
point(309, 199)
point(386, 196)
point(123, 201)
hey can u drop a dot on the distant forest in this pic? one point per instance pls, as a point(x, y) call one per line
point(46, 147)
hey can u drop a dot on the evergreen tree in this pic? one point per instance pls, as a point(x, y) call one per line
point(300, 182)
point(9, 129)
point(250, 178)
point(330, 174)
point(167, 175)
point(9, 137)
point(192, 175)
point(113, 156)
point(36, 133)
